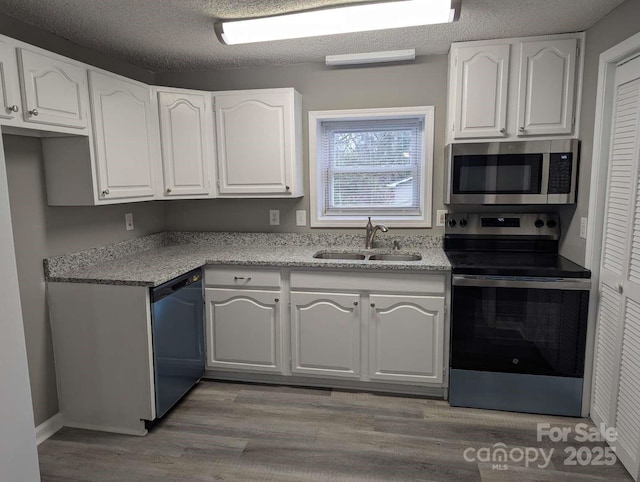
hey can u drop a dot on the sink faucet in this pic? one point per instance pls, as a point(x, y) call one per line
point(371, 233)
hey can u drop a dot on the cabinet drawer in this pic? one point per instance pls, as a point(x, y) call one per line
point(242, 277)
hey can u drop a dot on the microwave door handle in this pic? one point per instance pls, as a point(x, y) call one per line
point(573, 284)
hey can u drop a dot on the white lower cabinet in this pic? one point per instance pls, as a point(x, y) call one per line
point(325, 334)
point(373, 327)
point(406, 338)
point(243, 329)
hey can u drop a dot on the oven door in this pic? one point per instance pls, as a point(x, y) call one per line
point(533, 326)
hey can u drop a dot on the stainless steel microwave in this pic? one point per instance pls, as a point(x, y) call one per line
point(525, 172)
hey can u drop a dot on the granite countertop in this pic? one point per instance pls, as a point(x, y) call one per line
point(158, 264)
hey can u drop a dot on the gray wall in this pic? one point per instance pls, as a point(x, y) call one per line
point(41, 231)
point(618, 25)
point(32, 35)
point(421, 83)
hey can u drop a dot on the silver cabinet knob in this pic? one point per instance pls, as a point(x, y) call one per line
point(34, 112)
point(503, 130)
point(14, 108)
point(521, 129)
point(105, 192)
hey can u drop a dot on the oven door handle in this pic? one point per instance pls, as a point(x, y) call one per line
point(575, 284)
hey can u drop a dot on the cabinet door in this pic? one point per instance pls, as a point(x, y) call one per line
point(55, 92)
point(123, 134)
point(482, 75)
point(9, 92)
point(547, 83)
point(243, 330)
point(255, 136)
point(187, 143)
point(325, 334)
point(406, 338)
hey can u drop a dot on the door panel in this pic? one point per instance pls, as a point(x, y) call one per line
point(616, 369)
point(325, 332)
point(482, 75)
point(10, 104)
point(55, 92)
point(547, 78)
point(243, 329)
point(186, 139)
point(259, 166)
point(406, 338)
point(123, 133)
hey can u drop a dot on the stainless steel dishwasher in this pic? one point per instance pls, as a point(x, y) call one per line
point(177, 319)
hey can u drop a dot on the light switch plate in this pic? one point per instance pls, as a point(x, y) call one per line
point(301, 217)
point(128, 221)
point(440, 216)
point(583, 228)
point(274, 217)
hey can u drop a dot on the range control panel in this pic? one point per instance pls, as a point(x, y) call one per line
point(490, 224)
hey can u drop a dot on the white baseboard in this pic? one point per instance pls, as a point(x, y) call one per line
point(47, 428)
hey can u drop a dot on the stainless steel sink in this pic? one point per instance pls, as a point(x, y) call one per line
point(333, 255)
point(395, 257)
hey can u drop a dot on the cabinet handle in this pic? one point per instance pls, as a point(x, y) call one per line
point(503, 130)
point(168, 189)
point(105, 192)
point(34, 112)
point(287, 188)
point(521, 129)
point(373, 305)
point(14, 108)
point(620, 288)
point(277, 299)
point(355, 303)
point(239, 278)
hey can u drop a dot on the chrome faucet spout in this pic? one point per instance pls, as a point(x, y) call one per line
point(371, 231)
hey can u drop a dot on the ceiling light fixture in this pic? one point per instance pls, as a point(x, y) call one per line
point(330, 21)
point(371, 57)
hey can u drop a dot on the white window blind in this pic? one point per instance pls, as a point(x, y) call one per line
point(372, 166)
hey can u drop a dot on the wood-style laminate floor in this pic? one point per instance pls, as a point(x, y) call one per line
point(246, 432)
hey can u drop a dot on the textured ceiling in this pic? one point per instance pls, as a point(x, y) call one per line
point(175, 35)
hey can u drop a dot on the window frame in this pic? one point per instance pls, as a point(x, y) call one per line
point(320, 220)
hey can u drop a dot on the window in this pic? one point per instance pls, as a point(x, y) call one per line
point(371, 162)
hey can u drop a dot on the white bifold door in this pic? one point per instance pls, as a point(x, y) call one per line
point(616, 397)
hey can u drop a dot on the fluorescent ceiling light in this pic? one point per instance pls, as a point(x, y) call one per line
point(331, 21)
point(371, 57)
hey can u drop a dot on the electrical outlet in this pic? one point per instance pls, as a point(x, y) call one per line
point(583, 228)
point(274, 217)
point(128, 221)
point(301, 217)
point(440, 217)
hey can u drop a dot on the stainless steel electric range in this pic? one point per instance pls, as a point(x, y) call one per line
point(519, 315)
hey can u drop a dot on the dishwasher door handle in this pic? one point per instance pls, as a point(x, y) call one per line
point(574, 284)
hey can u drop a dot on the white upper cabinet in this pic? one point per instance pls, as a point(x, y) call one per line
point(10, 104)
point(125, 140)
point(259, 143)
point(513, 88)
point(547, 82)
point(482, 75)
point(187, 139)
point(54, 91)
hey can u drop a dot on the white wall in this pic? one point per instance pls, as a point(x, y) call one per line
point(18, 455)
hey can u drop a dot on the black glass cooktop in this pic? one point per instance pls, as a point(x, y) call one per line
point(515, 264)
